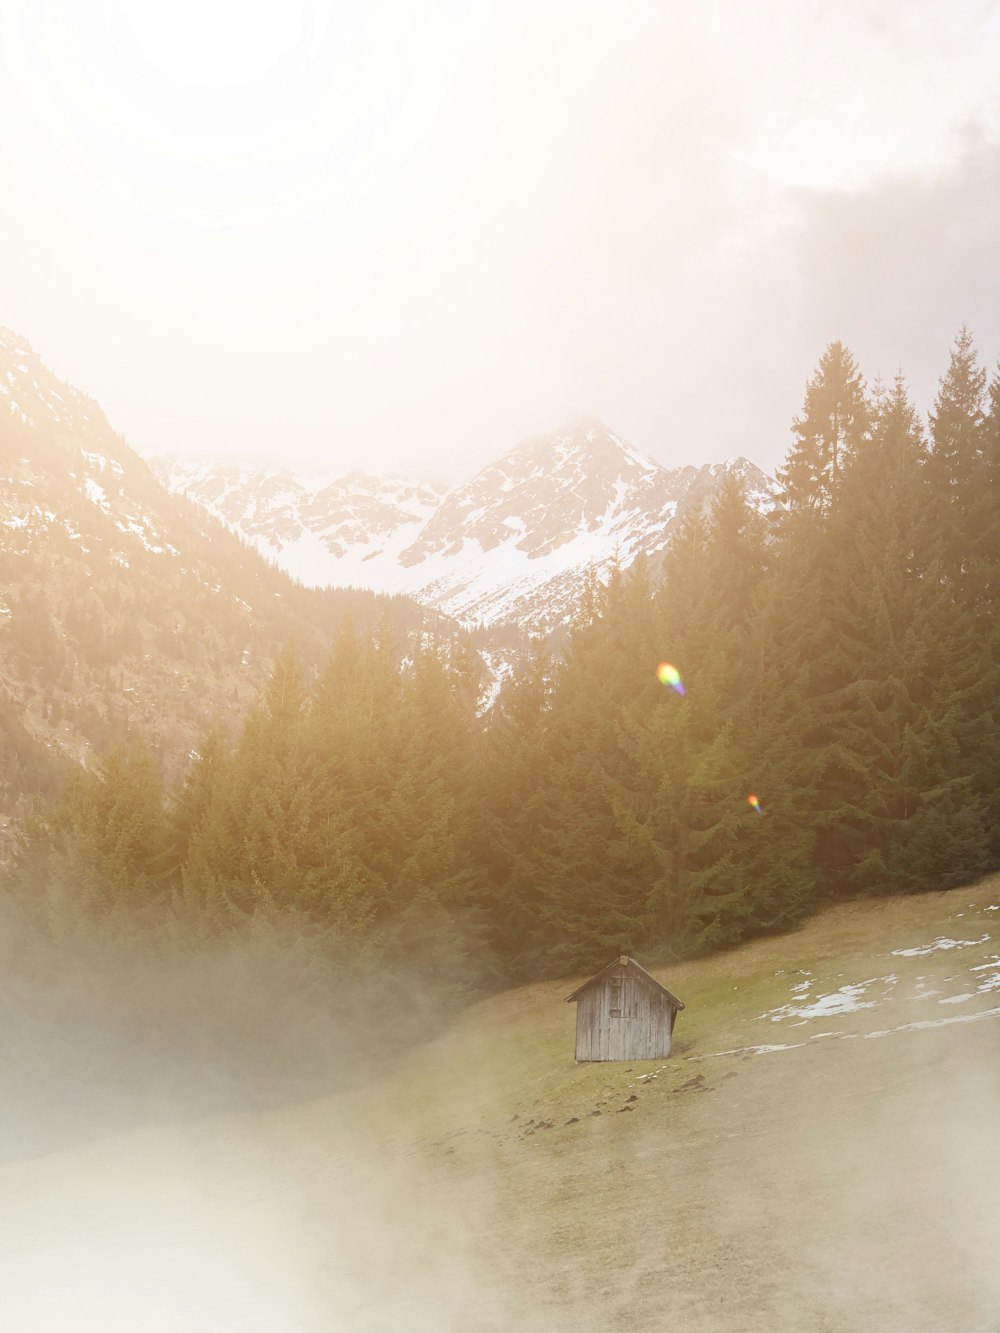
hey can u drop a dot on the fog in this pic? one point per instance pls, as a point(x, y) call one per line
point(467, 1183)
point(130, 1019)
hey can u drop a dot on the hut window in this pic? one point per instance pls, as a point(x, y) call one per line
point(616, 996)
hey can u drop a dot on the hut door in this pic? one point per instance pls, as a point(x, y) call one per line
point(616, 1018)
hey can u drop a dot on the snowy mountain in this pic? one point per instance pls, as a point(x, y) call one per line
point(512, 546)
point(322, 529)
point(124, 605)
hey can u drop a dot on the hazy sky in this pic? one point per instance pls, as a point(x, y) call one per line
point(392, 234)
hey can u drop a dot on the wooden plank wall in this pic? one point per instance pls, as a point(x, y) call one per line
point(622, 1018)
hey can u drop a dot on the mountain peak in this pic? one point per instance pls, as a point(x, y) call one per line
point(34, 396)
point(552, 506)
point(582, 430)
point(510, 545)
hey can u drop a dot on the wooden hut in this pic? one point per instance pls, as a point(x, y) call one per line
point(623, 1014)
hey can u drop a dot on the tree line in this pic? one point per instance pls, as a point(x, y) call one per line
point(838, 660)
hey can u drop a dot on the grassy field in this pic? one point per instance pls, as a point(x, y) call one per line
point(820, 1153)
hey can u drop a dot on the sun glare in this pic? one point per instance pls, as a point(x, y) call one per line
point(236, 113)
point(216, 43)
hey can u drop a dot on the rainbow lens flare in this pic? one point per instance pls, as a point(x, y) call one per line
point(755, 802)
point(667, 674)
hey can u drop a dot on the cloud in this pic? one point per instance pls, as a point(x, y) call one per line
point(896, 270)
point(421, 236)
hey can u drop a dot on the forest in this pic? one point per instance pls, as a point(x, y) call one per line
point(836, 661)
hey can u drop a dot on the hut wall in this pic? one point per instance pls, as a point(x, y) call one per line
point(623, 1018)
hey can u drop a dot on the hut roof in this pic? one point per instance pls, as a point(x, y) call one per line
point(632, 966)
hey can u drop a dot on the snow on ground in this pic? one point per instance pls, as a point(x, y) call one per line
point(916, 1026)
point(472, 584)
point(102, 462)
point(131, 527)
point(846, 1000)
point(935, 1023)
point(942, 942)
point(960, 983)
point(373, 565)
point(991, 980)
point(765, 1049)
point(499, 671)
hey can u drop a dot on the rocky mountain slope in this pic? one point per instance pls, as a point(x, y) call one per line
point(512, 546)
point(121, 604)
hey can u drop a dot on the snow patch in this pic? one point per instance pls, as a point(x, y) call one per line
point(942, 942)
point(991, 981)
point(765, 1049)
point(848, 999)
point(935, 1023)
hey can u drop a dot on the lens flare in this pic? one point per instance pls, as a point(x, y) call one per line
point(667, 674)
point(755, 802)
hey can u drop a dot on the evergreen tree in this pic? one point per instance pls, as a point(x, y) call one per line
point(256, 848)
point(716, 874)
point(427, 815)
point(100, 851)
point(835, 420)
point(592, 880)
point(954, 467)
point(356, 743)
point(843, 667)
point(512, 796)
point(957, 421)
point(894, 619)
point(986, 511)
point(193, 797)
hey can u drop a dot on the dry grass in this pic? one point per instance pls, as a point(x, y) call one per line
point(850, 1182)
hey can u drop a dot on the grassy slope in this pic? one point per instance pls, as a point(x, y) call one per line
point(849, 1182)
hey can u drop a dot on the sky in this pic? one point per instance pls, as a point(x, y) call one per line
point(403, 236)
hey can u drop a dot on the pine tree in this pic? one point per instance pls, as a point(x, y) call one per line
point(835, 420)
point(512, 797)
point(428, 808)
point(957, 421)
point(101, 850)
point(897, 623)
point(985, 516)
point(954, 467)
point(963, 469)
point(254, 851)
point(592, 881)
point(716, 875)
point(191, 801)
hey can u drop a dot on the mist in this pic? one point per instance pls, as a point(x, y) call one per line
point(839, 1183)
